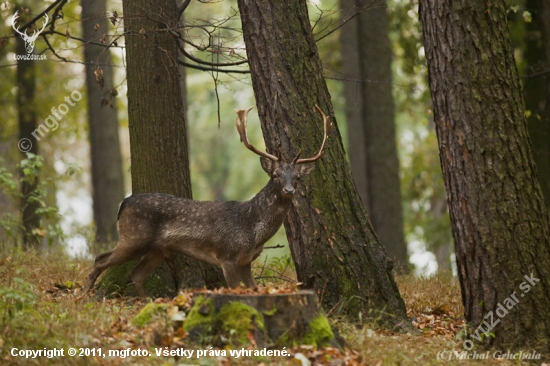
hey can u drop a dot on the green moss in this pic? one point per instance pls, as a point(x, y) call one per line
point(236, 319)
point(270, 312)
point(319, 333)
point(147, 314)
point(201, 317)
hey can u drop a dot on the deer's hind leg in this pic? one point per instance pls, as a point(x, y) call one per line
point(118, 255)
point(100, 264)
point(148, 263)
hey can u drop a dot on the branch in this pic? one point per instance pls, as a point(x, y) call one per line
point(359, 11)
point(52, 49)
point(536, 74)
point(197, 67)
point(182, 7)
point(40, 15)
point(110, 45)
point(56, 14)
point(199, 61)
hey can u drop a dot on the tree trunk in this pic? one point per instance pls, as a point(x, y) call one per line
point(107, 177)
point(332, 242)
point(26, 76)
point(537, 88)
point(366, 63)
point(158, 143)
point(499, 220)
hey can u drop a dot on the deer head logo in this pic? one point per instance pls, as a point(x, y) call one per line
point(29, 40)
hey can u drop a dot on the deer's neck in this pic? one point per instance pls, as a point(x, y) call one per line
point(268, 210)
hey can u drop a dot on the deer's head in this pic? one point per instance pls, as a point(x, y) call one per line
point(284, 174)
point(29, 40)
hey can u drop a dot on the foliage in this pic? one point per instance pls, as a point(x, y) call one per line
point(16, 296)
point(278, 270)
point(30, 168)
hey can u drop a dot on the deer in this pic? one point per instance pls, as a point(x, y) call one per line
point(29, 40)
point(154, 227)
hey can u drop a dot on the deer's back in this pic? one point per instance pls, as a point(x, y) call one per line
point(206, 230)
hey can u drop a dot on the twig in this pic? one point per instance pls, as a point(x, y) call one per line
point(217, 64)
point(40, 15)
point(359, 11)
point(274, 246)
point(283, 278)
point(280, 274)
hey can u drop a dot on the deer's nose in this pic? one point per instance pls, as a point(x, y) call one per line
point(288, 190)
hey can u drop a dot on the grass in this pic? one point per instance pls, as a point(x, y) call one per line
point(39, 309)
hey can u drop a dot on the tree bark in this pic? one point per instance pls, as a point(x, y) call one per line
point(499, 220)
point(107, 177)
point(158, 144)
point(332, 242)
point(26, 79)
point(370, 112)
point(537, 88)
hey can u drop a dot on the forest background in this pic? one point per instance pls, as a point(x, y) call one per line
point(220, 167)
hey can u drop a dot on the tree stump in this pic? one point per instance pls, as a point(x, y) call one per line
point(258, 319)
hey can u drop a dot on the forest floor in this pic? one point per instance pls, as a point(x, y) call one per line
point(39, 311)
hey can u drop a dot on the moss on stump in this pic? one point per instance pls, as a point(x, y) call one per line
point(148, 313)
point(259, 320)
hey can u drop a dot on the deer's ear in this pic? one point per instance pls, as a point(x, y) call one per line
point(267, 164)
point(305, 169)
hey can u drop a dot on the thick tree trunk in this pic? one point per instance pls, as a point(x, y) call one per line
point(158, 142)
point(332, 242)
point(366, 63)
point(499, 220)
point(537, 88)
point(107, 177)
point(26, 77)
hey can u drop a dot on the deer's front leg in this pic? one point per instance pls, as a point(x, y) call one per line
point(231, 274)
point(245, 275)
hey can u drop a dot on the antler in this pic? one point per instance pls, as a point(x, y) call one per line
point(15, 17)
point(35, 33)
point(43, 26)
point(327, 126)
point(240, 123)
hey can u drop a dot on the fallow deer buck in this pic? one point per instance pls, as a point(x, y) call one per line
point(155, 226)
